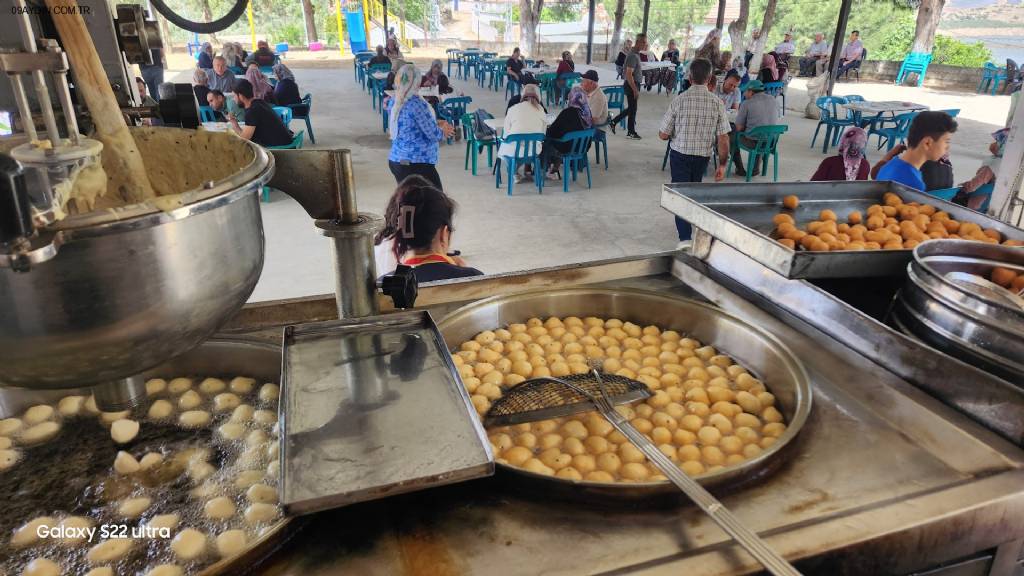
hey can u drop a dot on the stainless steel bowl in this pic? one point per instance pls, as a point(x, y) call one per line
point(978, 322)
point(757, 350)
point(131, 289)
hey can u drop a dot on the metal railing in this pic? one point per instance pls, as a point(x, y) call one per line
point(375, 10)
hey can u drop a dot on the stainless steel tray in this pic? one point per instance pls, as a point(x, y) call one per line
point(373, 407)
point(741, 216)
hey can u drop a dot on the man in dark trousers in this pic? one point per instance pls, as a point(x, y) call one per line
point(633, 75)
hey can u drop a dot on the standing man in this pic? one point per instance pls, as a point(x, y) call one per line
point(220, 78)
point(633, 75)
point(595, 98)
point(816, 58)
point(851, 53)
point(695, 123)
point(751, 46)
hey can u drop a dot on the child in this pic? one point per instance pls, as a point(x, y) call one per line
point(928, 139)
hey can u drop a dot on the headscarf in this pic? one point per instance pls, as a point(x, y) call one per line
point(627, 46)
point(768, 61)
point(714, 34)
point(578, 99)
point(200, 78)
point(260, 87)
point(851, 150)
point(429, 79)
point(531, 94)
point(282, 72)
point(208, 48)
point(407, 86)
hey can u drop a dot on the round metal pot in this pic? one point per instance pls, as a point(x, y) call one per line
point(135, 286)
point(755, 349)
point(948, 303)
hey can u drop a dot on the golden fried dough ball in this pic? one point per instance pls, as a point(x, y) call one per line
point(791, 202)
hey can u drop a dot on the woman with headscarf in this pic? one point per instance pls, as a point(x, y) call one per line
point(667, 76)
point(230, 55)
point(576, 116)
point(286, 92)
point(261, 88)
point(526, 117)
point(850, 163)
point(620, 60)
point(392, 49)
point(199, 85)
point(415, 130)
point(709, 49)
point(205, 56)
point(769, 69)
point(436, 77)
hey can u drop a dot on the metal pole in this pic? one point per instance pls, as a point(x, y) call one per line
point(387, 33)
point(38, 79)
point(837, 43)
point(590, 30)
point(1007, 203)
point(647, 13)
point(341, 31)
point(252, 27)
point(720, 19)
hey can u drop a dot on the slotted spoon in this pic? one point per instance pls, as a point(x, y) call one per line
point(549, 397)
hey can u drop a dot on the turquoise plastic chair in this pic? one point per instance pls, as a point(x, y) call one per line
point(527, 152)
point(576, 159)
point(302, 111)
point(892, 133)
point(453, 109)
point(373, 85)
point(601, 141)
point(295, 144)
point(207, 114)
point(454, 58)
point(616, 101)
point(236, 70)
point(833, 121)
point(474, 146)
point(512, 87)
point(991, 75)
point(985, 190)
point(767, 144)
point(547, 86)
point(571, 79)
point(359, 66)
point(954, 112)
point(914, 63)
point(777, 89)
point(470, 63)
point(284, 113)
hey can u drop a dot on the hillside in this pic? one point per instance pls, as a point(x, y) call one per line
point(983, 18)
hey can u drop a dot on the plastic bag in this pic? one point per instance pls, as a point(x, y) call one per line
point(816, 88)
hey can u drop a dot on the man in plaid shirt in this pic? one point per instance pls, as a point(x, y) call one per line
point(695, 123)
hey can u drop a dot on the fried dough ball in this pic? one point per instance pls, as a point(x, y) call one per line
point(791, 202)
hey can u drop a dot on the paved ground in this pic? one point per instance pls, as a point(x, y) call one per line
point(619, 216)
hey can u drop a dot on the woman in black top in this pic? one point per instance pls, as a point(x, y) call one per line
point(668, 75)
point(419, 220)
point(286, 92)
point(576, 116)
point(205, 56)
point(199, 85)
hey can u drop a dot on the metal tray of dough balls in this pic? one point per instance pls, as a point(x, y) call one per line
point(727, 347)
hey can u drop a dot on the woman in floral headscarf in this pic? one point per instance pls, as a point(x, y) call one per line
point(261, 88)
point(576, 116)
point(850, 163)
point(709, 49)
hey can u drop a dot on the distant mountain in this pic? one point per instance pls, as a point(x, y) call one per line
point(968, 17)
point(968, 4)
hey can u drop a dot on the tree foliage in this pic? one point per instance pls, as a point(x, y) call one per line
point(668, 18)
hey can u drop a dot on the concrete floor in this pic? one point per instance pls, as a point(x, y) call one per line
point(619, 216)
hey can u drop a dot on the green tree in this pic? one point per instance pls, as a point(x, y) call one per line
point(953, 52)
point(667, 19)
point(874, 19)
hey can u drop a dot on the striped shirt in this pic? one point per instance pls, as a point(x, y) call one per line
point(694, 120)
point(418, 134)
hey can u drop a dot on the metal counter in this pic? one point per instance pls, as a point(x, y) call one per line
point(886, 479)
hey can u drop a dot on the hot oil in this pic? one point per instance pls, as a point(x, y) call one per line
point(72, 475)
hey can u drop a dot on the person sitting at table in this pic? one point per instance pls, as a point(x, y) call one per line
point(392, 48)
point(937, 174)
point(414, 129)
point(421, 224)
point(709, 49)
point(205, 60)
point(985, 175)
point(260, 86)
point(262, 125)
point(785, 48)
point(565, 66)
point(728, 92)
point(514, 66)
point(263, 56)
point(436, 77)
point(596, 98)
point(525, 117)
point(758, 109)
point(816, 58)
point(222, 106)
point(517, 98)
point(200, 85)
point(229, 51)
point(928, 139)
point(851, 54)
point(769, 69)
point(667, 76)
point(850, 163)
point(220, 77)
point(576, 116)
point(724, 63)
point(624, 52)
point(286, 91)
point(379, 58)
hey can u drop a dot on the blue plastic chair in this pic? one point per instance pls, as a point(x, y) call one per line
point(892, 133)
point(954, 112)
point(454, 108)
point(359, 66)
point(576, 159)
point(985, 190)
point(207, 114)
point(991, 75)
point(302, 111)
point(616, 101)
point(512, 87)
point(569, 79)
point(284, 113)
point(371, 82)
point(766, 144)
point(527, 152)
point(454, 58)
point(470, 63)
point(236, 70)
point(914, 63)
point(777, 89)
point(281, 48)
point(833, 121)
point(601, 141)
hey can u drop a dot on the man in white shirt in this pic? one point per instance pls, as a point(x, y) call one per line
point(786, 47)
point(816, 57)
point(751, 45)
point(851, 54)
point(596, 97)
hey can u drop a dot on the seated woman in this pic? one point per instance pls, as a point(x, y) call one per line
point(286, 92)
point(624, 52)
point(261, 88)
point(850, 163)
point(769, 69)
point(525, 117)
point(436, 77)
point(667, 76)
point(200, 79)
point(565, 66)
point(205, 59)
point(418, 226)
point(576, 116)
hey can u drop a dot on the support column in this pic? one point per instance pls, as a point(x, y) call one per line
point(590, 29)
point(720, 19)
point(1007, 201)
point(837, 43)
point(647, 13)
point(387, 34)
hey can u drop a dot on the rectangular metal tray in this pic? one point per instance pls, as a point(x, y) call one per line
point(373, 407)
point(741, 216)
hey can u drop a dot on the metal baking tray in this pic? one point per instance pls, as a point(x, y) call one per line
point(373, 407)
point(741, 216)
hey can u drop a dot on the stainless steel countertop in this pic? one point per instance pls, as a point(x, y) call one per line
point(886, 480)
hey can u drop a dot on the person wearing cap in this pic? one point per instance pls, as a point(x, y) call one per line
point(595, 97)
point(786, 47)
point(758, 109)
point(565, 66)
point(816, 58)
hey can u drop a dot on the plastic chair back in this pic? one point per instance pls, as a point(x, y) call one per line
point(579, 143)
point(774, 88)
point(527, 146)
point(455, 108)
point(206, 114)
point(301, 110)
point(295, 144)
point(954, 112)
point(380, 67)
point(946, 194)
point(829, 107)
point(767, 137)
point(284, 113)
point(616, 96)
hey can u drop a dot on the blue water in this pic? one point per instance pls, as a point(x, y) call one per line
point(1002, 47)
